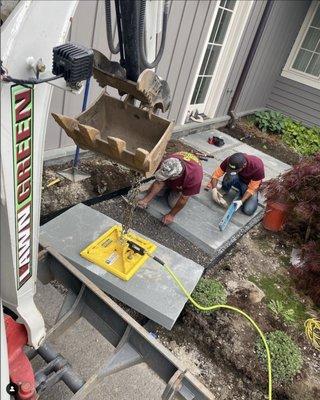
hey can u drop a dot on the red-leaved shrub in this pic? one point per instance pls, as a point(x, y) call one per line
point(308, 273)
point(299, 189)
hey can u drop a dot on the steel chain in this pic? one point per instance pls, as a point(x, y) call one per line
point(131, 200)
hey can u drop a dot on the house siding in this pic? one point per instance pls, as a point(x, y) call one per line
point(240, 57)
point(189, 24)
point(264, 86)
point(296, 100)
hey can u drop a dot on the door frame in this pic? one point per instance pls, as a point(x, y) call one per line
point(226, 57)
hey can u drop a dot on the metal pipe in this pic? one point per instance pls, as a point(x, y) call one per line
point(249, 60)
point(84, 106)
point(73, 380)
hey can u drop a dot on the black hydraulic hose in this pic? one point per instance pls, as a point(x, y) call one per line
point(142, 49)
point(114, 50)
point(31, 81)
point(118, 14)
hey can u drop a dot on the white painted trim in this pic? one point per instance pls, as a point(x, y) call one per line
point(151, 28)
point(236, 27)
point(229, 51)
point(305, 79)
point(288, 71)
point(190, 107)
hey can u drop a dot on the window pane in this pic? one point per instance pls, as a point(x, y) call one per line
point(318, 48)
point(212, 60)
point(215, 26)
point(311, 40)
point(302, 60)
point(205, 60)
point(204, 86)
point(195, 92)
point(222, 30)
point(316, 19)
point(314, 66)
point(230, 4)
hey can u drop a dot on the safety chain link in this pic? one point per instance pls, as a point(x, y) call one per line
point(131, 200)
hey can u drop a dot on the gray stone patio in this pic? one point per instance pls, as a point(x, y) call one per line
point(199, 220)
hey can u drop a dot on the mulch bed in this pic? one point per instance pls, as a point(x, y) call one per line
point(266, 142)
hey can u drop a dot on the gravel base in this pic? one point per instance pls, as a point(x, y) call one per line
point(154, 229)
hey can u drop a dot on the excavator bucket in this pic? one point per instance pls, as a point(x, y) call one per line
point(134, 137)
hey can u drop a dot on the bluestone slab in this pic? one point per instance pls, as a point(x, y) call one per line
point(197, 223)
point(239, 218)
point(276, 165)
point(151, 291)
point(199, 141)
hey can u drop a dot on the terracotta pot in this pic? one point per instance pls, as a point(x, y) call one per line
point(274, 217)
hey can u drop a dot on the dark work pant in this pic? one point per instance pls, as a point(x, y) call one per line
point(250, 206)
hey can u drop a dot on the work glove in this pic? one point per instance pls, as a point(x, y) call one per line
point(237, 203)
point(218, 198)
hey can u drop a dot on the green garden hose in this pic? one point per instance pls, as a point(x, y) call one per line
point(226, 307)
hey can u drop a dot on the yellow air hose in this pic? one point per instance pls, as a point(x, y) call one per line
point(312, 330)
point(226, 307)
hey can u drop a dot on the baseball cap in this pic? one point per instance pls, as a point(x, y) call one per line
point(236, 161)
point(170, 168)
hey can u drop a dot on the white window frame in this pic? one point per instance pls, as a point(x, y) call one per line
point(233, 38)
point(288, 71)
point(201, 106)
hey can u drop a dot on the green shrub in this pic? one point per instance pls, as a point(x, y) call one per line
point(270, 121)
point(209, 292)
point(278, 308)
point(286, 356)
point(305, 141)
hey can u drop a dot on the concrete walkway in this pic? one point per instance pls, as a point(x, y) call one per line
point(198, 221)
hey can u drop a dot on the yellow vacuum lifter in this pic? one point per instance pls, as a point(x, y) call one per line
point(117, 253)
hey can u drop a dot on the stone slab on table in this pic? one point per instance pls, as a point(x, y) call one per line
point(151, 291)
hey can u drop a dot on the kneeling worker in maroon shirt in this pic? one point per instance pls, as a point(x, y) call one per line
point(245, 173)
point(180, 175)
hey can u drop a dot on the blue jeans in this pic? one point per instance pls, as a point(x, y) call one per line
point(250, 206)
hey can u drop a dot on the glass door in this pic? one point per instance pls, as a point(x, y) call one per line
point(213, 54)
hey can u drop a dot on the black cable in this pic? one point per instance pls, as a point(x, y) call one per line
point(31, 81)
point(114, 50)
point(142, 49)
point(118, 13)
